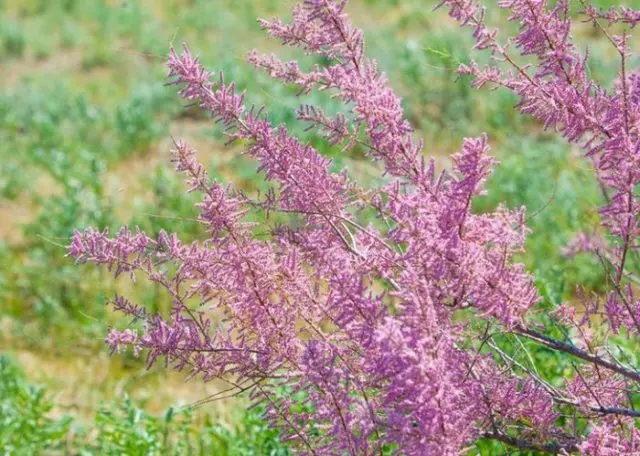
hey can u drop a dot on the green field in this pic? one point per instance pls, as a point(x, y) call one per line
point(85, 130)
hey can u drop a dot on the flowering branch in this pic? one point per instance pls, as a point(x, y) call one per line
point(356, 337)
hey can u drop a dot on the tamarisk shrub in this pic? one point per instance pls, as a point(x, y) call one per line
point(377, 336)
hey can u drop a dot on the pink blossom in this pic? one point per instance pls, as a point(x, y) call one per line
point(372, 328)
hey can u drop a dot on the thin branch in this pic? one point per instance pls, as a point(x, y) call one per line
point(577, 352)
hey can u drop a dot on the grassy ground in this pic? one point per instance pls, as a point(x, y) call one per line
point(85, 127)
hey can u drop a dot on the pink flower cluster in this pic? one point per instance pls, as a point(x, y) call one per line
point(557, 90)
point(359, 336)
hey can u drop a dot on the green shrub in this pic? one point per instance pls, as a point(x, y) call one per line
point(26, 427)
point(12, 38)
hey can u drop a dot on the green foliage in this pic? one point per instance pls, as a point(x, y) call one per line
point(12, 180)
point(26, 427)
point(136, 121)
point(130, 430)
point(251, 437)
point(12, 39)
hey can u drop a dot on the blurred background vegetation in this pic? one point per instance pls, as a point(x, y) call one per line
point(85, 128)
